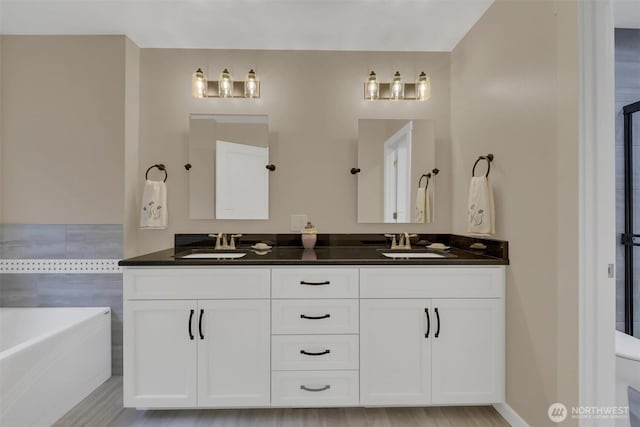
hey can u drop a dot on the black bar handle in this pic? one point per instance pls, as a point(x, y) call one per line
point(426, 312)
point(438, 318)
point(200, 324)
point(189, 328)
point(304, 282)
point(324, 316)
point(309, 353)
point(305, 388)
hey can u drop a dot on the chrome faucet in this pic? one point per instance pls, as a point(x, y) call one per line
point(223, 242)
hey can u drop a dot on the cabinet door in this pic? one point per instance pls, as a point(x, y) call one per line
point(234, 366)
point(395, 355)
point(468, 352)
point(159, 354)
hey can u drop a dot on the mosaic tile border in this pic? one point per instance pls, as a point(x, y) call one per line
point(59, 266)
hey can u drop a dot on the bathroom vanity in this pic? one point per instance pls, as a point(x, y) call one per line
point(348, 328)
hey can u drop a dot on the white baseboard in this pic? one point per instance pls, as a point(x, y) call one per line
point(510, 415)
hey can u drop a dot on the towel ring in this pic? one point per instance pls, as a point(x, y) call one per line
point(488, 158)
point(426, 175)
point(161, 167)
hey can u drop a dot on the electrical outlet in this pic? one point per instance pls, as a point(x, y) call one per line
point(297, 223)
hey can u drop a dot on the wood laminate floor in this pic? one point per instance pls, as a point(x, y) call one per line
point(103, 408)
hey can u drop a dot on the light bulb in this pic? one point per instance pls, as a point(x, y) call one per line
point(423, 87)
point(372, 89)
point(251, 85)
point(397, 87)
point(225, 85)
point(199, 84)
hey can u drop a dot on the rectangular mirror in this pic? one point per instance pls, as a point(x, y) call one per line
point(228, 178)
point(394, 155)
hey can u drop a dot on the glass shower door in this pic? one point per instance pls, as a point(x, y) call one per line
point(631, 235)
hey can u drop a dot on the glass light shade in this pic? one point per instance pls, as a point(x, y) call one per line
point(397, 88)
point(251, 85)
point(225, 85)
point(199, 84)
point(372, 90)
point(423, 87)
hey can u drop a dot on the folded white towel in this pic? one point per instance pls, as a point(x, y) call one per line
point(481, 209)
point(423, 205)
point(154, 213)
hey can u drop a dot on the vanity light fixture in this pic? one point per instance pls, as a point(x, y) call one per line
point(199, 84)
point(372, 89)
point(251, 86)
point(396, 89)
point(423, 87)
point(225, 87)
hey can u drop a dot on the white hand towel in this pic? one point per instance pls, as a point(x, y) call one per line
point(154, 213)
point(421, 198)
point(423, 205)
point(481, 209)
point(428, 202)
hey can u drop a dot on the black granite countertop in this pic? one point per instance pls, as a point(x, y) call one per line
point(334, 249)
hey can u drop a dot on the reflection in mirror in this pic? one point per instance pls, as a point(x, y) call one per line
point(393, 155)
point(230, 153)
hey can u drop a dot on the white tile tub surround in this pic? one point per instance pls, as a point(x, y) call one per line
point(50, 359)
point(61, 266)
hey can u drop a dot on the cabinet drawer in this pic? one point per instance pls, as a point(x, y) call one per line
point(196, 283)
point(314, 388)
point(314, 283)
point(314, 316)
point(432, 282)
point(314, 352)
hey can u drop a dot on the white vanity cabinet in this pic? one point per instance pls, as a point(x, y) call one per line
point(315, 325)
point(160, 354)
point(195, 352)
point(223, 337)
point(423, 342)
point(395, 356)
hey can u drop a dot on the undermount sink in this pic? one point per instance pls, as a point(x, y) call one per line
point(214, 255)
point(412, 255)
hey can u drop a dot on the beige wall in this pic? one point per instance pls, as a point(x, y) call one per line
point(131, 147)
point(314, 101)
point(514, 94)
point(63, 147)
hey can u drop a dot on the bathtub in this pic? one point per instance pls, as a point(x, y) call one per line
point(50, 359)
point(627, 370)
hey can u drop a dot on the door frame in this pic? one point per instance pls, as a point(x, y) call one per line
point(404, 134)
point(596, 206)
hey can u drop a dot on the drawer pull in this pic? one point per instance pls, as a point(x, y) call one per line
point(304, 282)
point(305, 388)
point(309, 353)
point(324, 316)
